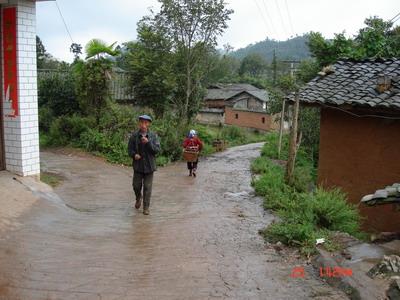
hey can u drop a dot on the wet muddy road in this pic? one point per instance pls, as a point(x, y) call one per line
point(199, 242)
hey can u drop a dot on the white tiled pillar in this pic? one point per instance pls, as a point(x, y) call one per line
point(21, 133)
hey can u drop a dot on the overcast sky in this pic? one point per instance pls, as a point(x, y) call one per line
point(252, 20)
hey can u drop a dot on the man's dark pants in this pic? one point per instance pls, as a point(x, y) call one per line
point(145, 181)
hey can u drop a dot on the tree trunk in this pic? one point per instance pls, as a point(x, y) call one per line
point(293, 143)
point(188, 89)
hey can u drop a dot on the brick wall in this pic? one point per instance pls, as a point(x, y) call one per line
point(21, 134)
point(247, 119)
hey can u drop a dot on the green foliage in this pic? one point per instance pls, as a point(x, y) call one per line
point(97, 47)
point(192, 44)
point(92, 79)
point(151, 64)
point(253, 65)
point(270, 149)
point(222, 68)
point(377, 39)
point(293, 49)
point(57, 93)
point(50, 179)
point(162, 160)
point(307, 70)
point(67, 129)
point(305, 215)
point(309, 125)
point(233, 133)
point(46, 118)
point(333, 212)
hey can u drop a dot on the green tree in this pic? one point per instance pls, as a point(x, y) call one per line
point(41, 53)
point(327, 52)
point(93, 77)
point(377, 40)
point(274, 66)
point(253, 65)
point(150, 61)
point(222, 67)
point(193, 26)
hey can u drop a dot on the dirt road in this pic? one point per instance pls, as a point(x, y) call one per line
point(200, 241)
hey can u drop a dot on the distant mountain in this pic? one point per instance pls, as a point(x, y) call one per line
point(292, 49)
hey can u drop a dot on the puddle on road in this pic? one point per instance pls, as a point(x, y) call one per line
point(201, 238)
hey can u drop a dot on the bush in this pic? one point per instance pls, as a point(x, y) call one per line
point(162, 160)
point(270, 148)
point(68, 129)
point(314, 215)
point(333, 212)
point(233, 134)
point(271, 184)
point(305, 215)
point(46, 118)
point(56, 91)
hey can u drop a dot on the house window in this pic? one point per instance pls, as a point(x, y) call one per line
point(236, 116)
point(263, 120)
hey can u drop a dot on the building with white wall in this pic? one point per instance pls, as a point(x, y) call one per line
point(19, 129)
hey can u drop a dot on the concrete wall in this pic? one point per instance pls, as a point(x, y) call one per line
point(247, 119)
point(361, 155)
point(21, 133)
point(212, 118)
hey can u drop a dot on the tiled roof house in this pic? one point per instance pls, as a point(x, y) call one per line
point(241, 104)
point(359, 131)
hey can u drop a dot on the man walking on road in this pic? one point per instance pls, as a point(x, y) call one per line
point(143, 147)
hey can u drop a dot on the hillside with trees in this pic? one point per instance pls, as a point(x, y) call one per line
point(291, 49)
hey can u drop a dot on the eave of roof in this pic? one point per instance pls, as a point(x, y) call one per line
point(354, 83)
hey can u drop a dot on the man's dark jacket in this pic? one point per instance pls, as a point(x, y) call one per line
point(147, 163)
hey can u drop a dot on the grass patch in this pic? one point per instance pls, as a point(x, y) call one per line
point(50, 179)
point(306, 213)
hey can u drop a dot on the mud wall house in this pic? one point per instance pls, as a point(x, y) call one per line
point(242, 105)
point(19, 130)
point(360, 132)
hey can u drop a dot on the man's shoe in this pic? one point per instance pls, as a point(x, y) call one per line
point(138, 203)
point(194, 173)
point(146, 211)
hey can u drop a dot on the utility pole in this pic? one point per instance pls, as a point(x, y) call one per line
point(282, 124)
point(274, 68)
point(282, 121)
point(294, 142)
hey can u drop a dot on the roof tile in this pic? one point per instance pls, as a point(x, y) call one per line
point(354, 82)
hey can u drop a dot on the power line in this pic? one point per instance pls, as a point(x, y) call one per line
point(262, 15)
point(280, 16)
point(290, 19)
point(65, 24)
point(398, 18)
point(269, 17)
point(395, 17)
